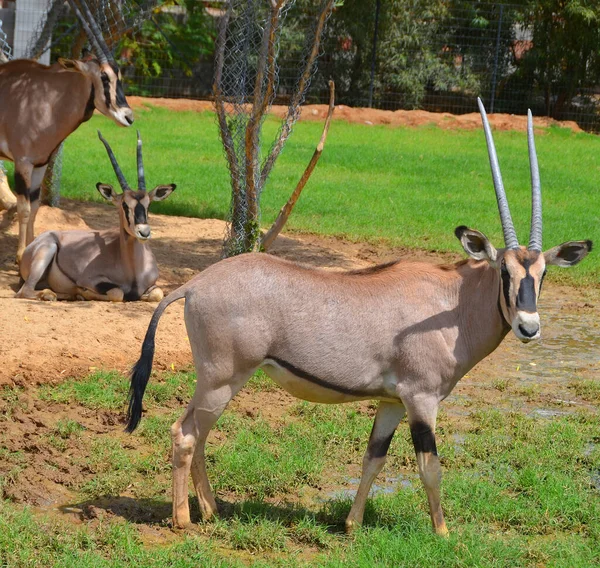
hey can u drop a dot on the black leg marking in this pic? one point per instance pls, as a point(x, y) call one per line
point(378, 448)
point(21, 187)
point(423, 438)
point(104, 287)
point(34, 195)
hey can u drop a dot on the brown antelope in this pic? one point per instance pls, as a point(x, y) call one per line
point(40, 106)
point(402, 333)
point(115, 265)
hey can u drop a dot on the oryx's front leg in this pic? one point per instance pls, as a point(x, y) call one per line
point(386, 421)
point(421, 419)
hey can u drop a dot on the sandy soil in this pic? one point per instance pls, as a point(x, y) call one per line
point(370, 116)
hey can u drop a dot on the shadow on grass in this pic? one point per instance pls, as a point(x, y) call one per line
point(331, 515)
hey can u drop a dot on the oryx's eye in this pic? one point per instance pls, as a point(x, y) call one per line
point(503, 266)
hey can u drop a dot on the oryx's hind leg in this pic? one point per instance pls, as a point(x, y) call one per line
point(35, 265)
point(421, 419)
point(188, 435)
point(386, 421)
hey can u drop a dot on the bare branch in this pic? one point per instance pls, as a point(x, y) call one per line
point(293, 109)
point(286, 210)
point(266, 63)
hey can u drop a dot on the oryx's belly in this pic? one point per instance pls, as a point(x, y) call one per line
point(306, 386)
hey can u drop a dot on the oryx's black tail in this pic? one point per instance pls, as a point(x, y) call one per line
point(140, 374)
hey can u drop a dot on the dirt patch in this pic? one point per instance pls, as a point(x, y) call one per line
point(370, 116)
point(47, 342)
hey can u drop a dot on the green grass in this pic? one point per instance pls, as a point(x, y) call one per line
point(403, 186)
point(518, 490)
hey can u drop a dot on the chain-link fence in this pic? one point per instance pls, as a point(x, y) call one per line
point(427, 54)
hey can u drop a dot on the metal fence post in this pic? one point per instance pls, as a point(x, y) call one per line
point(496, 54)
point(374, 53)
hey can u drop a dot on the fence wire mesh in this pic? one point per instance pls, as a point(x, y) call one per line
point(251, 39)
point(425, 54)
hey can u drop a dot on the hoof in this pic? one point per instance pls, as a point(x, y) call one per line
point(155, 295)
point(46, 296)
point(352, 526)
point(181, 525)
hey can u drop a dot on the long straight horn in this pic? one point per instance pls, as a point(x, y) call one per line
point(99, 52)
point(115, 165)
point(535, 235)
point(96, 31)
point(140, 164)
point(510, 236)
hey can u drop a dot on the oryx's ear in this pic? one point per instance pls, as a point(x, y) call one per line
point(476, 244)
point(107, 191)
point(71, 64)
point(568, 254)
point(161, 192)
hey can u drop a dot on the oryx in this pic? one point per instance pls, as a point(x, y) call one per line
point(402, 333)
point(40, 106)
point(114, 265)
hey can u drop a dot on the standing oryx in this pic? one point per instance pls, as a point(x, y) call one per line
point(40, 106)
point(403, 333)
point(115, 265)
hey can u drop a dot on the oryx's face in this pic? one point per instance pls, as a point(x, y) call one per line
point(133, 207)
point(521, 272)
point(109, 97)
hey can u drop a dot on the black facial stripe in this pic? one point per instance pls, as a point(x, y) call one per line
point(307, 376)
point(126, 209)
point(526, 297)
point(423, 438)
point(121, 101)
point(506, 286)
point(378, 448)
point(106, 85)
point(139, 215)
point(541, 282)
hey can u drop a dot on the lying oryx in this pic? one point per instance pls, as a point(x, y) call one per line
point(115, 265)
point(403, 333)
point(40, 106)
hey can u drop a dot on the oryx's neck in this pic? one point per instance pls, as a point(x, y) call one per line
point(482, 326)
point(132, 256)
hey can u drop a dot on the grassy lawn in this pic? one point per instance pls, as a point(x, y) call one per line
point(518, 489)
point(406, 187)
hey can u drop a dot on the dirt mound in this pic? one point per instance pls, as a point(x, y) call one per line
point(370, 116)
